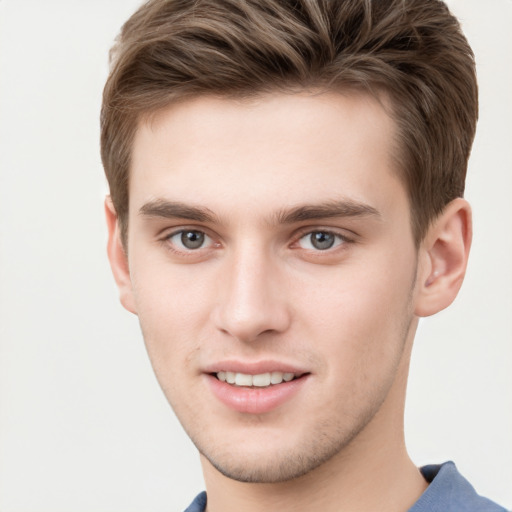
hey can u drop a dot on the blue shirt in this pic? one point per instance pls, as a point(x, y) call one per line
point(448, 491)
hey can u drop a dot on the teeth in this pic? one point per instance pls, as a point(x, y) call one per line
point(242, 379)
point(276, 378)
point(261, 380)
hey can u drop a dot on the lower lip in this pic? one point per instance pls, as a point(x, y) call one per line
point(255, 400)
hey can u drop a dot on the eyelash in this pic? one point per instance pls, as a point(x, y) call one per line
point(339, 240)
point(167, 239)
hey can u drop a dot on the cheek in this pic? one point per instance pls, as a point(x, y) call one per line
point(173, 310)
point(169, 295)
point(362, 316)
point(169, 329)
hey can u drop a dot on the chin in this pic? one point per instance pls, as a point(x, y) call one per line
point(281, 469)
point(270, 464)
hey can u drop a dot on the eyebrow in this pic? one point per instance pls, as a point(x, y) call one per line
point(343, 208)
point(162, 208)
point(176, 210)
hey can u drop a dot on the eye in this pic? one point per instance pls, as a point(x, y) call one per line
point(189, 239)
point(320, 240)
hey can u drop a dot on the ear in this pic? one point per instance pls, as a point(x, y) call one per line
point(118, 258)
point(444, 256)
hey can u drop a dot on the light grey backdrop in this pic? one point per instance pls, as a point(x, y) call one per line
point(83, 424)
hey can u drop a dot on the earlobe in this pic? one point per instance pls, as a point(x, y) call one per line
point(444, 256)
point(118, 258)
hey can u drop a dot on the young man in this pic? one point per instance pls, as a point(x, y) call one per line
point(286, 182)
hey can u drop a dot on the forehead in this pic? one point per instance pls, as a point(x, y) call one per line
point(269, 152)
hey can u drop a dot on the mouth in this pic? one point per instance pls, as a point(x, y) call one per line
point(254, 391)
point(260, 380)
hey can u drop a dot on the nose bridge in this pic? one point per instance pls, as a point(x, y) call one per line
point(251, 301)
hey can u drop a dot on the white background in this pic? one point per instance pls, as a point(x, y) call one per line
point(83, 424)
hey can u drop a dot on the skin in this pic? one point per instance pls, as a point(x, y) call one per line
point(258, 178)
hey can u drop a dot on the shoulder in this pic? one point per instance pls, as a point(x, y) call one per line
point(448, 490)
point(199, 503)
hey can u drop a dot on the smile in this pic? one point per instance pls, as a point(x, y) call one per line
point(254, 390)
point(260, 380)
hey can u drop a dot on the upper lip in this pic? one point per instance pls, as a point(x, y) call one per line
point(254, 367)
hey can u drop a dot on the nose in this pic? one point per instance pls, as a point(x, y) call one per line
point(251, 298)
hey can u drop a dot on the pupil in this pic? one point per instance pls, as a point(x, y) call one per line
point(321, 240)
point(192, 239)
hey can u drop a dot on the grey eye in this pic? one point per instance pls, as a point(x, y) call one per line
point(320, 240)
point(189, 240)
point(192, 239)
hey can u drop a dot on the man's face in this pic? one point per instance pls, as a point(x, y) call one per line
point(272, 238)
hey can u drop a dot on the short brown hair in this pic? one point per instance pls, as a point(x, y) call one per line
point(412, 50)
